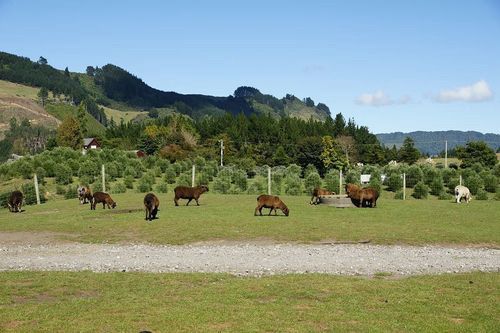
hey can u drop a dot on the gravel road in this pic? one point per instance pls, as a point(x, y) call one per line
point(249, 259)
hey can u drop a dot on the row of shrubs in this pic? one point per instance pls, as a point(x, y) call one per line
point(125, 171)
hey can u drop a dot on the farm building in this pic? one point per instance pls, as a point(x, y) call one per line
point(90, 143)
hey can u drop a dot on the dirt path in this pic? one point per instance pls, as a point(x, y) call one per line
point(19, 251)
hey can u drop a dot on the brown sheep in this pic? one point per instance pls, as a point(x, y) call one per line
point(317, 192)
point(151, 204)
point(15, 202)
point(270, 201)
point(104, 198)
point(362, 197)
point(84, 194)
point(190, 193)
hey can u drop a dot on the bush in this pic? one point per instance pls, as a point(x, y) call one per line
point(63, 174)
point(29, 192)
point(436, 185)
point(24, 168)
point(61, 190)
point(257, 186)
point(309, 169)
point(394, 182)
point(413, 175)
point(332, 181)
point(118, 188)
point(490, 183)
point(162, 188)
point(128, 181)
point(97, 187)
point(144, 185)
point(71, 192)
point(445, 196)
point(234, 190)
point(222, 183)
point(481, 195)
point(421, 191)
point(474, 183)
point(292, 169)
point(376, 184)
point(240, 179)
point(399, 195)
point(353, 176)
point(41, 174)
point(312, 181)
point(170, 175)
point(184, 180)
point(4, 199)
point(293, 185)
point(497, 194)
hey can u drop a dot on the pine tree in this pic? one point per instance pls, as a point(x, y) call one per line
point(69, 133)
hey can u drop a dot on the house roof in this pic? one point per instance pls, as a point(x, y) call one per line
point(88, 141)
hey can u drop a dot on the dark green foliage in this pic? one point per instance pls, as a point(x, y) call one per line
point(128, 181)
point(118, 187)
point(476, 152)
point(184, 180)
point(293, 185)
point(436, 186)
point(4, 199)
point(332, 181)
point(481, 195)
point(71, 192)
point(421, 191)
point(408, 153)
point(22, 70)
point(375, 183)
point(394, 182)
point(312, 181)
point(352, 176)
point(257, 186)
point(61, 190)
point(144, 185)
point(490, 182)
point(63, 174)
point(414, 174)
point(170, 175)
point(474, 183)
point(445, 196)
point(162, 188)
point(29, 192)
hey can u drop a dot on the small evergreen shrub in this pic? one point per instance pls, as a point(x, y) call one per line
point(144, 185)
point(421, 191)
point(71, 192)
point(118, 187)
point(63, 174)
point(128, 181)
point(162, 188)
point(29, 192)
point(481, 195)
point(445, 196)
point(399, 195)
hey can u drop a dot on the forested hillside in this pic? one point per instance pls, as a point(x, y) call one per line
point(433, 143)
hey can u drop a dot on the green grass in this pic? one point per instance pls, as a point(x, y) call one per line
point(62, 111)
point(131, 302)
point(230, 217)
point(118, 115)
point(13, 89)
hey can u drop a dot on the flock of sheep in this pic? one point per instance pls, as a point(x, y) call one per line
point(361, 197)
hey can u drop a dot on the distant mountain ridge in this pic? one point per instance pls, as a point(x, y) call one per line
point(433, 142)
point(113, 86)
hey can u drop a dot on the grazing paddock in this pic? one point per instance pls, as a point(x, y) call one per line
point(230, 217)
point(132, 302)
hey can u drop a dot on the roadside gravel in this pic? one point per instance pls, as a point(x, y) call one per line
point(249, 258)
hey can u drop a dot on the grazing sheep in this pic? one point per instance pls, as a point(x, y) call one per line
point(190, 193)
point(462, 192)
point(151, 204)
point(104, 198)
point(364, 197)
point(270, 201)
point(317, 192)
point(84, 194)
point(15, 201)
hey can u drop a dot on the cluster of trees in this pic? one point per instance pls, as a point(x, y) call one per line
point(24, 138)
point(40, 74)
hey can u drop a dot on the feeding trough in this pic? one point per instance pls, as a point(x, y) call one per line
point(337, 200)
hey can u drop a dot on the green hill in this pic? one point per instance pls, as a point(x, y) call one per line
point(117, 89)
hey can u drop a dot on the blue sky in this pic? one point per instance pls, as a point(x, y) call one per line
point(390, 65)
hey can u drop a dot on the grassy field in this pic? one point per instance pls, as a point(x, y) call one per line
point(230, 217)
point(62, 111)
point(13, 89)
point(118, 115)
point(131, 302)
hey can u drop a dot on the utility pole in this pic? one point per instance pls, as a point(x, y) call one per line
point(221, 152)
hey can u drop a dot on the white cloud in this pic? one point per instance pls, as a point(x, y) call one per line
point(478, 92)
point(379, 98)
